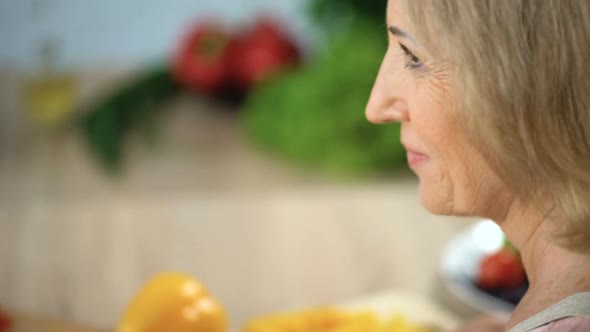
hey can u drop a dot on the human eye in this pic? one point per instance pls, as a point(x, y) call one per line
point(412, 61)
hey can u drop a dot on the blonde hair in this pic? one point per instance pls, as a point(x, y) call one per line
point(522, 75)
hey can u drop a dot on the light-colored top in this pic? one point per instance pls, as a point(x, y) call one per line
point(570, 324)
point(572, 314)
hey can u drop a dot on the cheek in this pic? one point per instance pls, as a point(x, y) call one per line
point(456, 180)
point(456, 177)
point(435, 117)
point(435, 125)
point(439, 178)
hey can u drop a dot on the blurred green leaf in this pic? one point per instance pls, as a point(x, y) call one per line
point(332, 14)
point(107, 123)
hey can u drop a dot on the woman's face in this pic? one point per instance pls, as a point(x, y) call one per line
point(413, 89)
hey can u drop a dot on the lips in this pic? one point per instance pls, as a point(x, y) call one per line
point(415, 158)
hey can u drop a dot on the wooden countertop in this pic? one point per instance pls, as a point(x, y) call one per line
point(33, 323)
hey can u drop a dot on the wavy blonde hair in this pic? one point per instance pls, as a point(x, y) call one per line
point(521, 67)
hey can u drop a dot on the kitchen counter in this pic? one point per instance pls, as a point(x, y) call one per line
point(32, 323)
point(263, 235)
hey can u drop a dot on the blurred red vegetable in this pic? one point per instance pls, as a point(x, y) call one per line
point(201, 61)
point(212, 61)
point(5, 321)
point(261, 52)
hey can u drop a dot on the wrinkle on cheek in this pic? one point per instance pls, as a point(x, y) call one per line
point(437, 87)
point(477, 197)
point(446, 182)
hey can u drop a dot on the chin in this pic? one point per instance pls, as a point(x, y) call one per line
point(443, 202)
point(436, 200)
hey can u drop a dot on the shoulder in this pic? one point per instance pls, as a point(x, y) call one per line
point(569, 324)
point(571, 314)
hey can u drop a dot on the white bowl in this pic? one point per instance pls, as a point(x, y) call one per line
point(460, 264)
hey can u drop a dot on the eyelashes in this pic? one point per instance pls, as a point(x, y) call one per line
point(412, 61)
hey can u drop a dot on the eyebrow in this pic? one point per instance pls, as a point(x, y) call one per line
point(399, 32)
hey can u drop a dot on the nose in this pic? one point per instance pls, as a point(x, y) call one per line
point(386, 103)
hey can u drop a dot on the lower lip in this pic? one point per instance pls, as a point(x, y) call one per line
point(415, 159)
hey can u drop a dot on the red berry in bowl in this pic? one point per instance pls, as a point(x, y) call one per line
point(503, 269)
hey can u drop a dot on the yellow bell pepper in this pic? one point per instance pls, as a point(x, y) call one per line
point(173, 302)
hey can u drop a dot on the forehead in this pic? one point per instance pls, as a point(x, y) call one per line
point(396, 14)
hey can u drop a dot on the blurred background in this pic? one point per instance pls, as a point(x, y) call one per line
point(223, 139)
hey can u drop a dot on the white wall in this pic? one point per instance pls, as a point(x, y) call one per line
point(107, 31)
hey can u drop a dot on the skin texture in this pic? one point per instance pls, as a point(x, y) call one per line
point(454, 177)
point(483, 324)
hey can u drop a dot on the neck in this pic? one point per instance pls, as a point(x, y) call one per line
point(554, 272)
